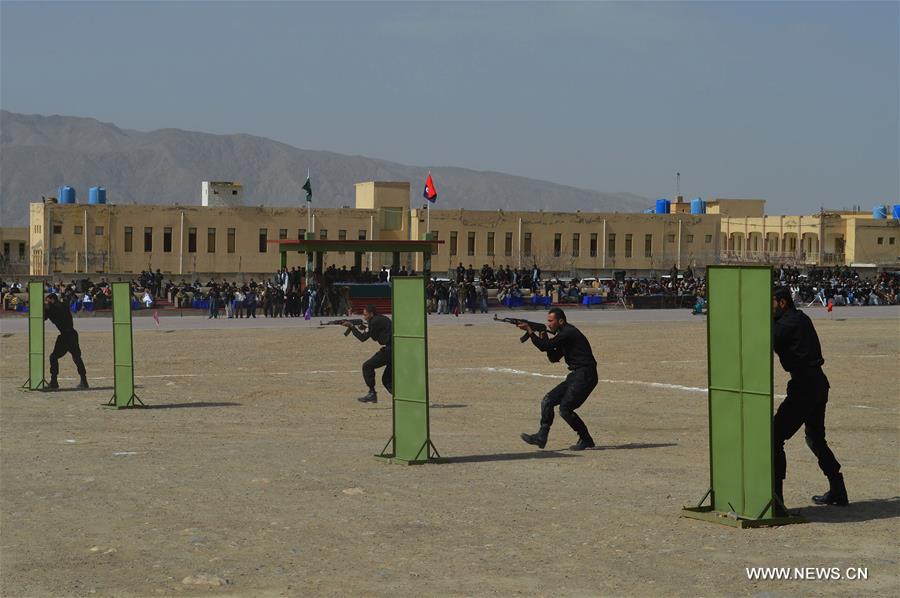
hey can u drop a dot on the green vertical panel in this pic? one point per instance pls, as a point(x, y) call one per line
point(725, 445)
point(35, 336)
point(410, 363)
point(123, 348)
point(756, 373)
point(740, 389)
point(724, 385)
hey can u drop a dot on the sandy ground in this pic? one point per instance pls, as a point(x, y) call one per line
point(252, 472)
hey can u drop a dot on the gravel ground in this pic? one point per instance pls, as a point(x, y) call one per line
point(252, 473)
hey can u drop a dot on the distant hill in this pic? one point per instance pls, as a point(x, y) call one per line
point(40, 153)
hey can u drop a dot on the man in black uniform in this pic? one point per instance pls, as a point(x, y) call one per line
point(797, 345)
point(67, 341)
point(379, 329)
point(569, 344)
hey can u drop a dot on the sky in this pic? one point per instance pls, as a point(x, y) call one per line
point(797, 103)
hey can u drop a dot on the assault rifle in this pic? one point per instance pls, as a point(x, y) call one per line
point(357, 323)
point(535, 326)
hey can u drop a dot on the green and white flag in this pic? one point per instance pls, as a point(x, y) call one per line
point(307, 186)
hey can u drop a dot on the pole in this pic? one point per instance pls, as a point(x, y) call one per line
point(427, 218)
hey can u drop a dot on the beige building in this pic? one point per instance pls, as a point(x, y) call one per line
point(14, 243)
point(108, 238)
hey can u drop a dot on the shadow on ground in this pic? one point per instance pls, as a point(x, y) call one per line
point(193, 405)
point(864, 510)
point(506, 457)
point(632, 445)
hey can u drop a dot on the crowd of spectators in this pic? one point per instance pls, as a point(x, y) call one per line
point(464, 289)
point(838, 286)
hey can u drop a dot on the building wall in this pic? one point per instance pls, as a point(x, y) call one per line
point(221, 193)
point(189, 239)
point(674, 239)
point(14, 243)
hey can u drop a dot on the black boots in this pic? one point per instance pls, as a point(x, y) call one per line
point(837, 492)
point(83, 385)
point(539, 440)
point(53, 384)
point(584, 442)
point(371, 397)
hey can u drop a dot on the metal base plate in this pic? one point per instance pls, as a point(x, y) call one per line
point(733, 520)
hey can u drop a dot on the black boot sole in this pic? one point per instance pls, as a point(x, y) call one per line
point(532, 440)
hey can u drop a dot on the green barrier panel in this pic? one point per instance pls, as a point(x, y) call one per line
point(411, 438)
point(123, 349)
point(739, 346)
point(36, 379)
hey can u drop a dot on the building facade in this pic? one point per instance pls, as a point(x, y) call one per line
point(186, 240)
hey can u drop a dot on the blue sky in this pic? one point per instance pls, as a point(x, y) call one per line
point(793, 102)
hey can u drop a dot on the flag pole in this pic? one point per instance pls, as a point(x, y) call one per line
point(308, 210)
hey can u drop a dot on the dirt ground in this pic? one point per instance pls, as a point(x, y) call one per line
point(252, 473)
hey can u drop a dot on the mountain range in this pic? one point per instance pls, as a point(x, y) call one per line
point(39, 153)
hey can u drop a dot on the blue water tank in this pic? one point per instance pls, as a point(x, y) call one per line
point(97, 195)
point(896, 212)
point(66, 194)
point(879, 212)
point(698, 206)
point(662, 206)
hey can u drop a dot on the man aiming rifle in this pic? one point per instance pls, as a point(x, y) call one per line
point(570, 344)
point(378, 328)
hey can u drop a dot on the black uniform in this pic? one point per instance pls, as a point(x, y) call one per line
point(569, 344)
point(67, 341)
point(800, 353)
point(379, 330)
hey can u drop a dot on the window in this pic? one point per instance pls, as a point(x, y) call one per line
point(234, 191)
point(526, 245)
point(670, 238)
point(128, 236)
point(470, 246)
point(301, 233)
point(167, 239)
point(393, 219)
point(148, 238)
point(611, 245)
point(98, 231)
point(22, 250)
point(507, 249)
point(192, 240)
point(648, 245)
point(881, 240)
point(231, 236)
point(57, 229)
point(890, 240)
point(557, 244)
point(79, 230)
point(282, 233)
point(210, 240)
point(362, 234)
point(628, 251)
point(690, 238)
point(593, 245)
point(576, 244)
point(263, 240)
point(453, 242)
point(323, 233)
point(707, 239)
point(6, 249)
point(490, 243)
point(342, 236)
